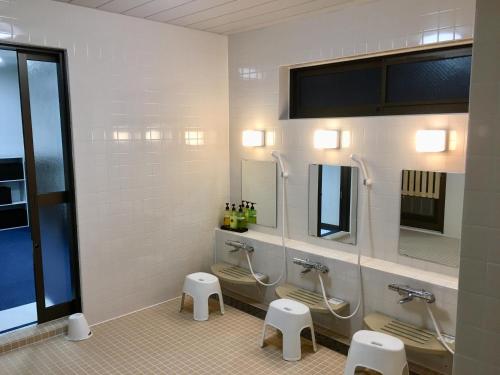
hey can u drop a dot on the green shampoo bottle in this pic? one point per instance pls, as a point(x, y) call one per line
point(242, 220)
point(233, 220)
point(227, 216)
point(252, 214)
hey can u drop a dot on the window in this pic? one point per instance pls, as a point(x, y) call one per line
point(430, 81)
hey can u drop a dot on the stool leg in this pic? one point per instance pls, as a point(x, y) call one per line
point(221, 303)
point(406, 370)
point(200, 308)
point(313, 337)
point(291, 346)
point(350, 368)
point(263, 335)
point(182, 301)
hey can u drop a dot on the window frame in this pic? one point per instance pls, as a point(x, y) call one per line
point(383, 108)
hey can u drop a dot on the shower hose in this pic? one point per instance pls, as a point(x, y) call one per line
point(360, 284)
point(438, 331)
point(360, 277)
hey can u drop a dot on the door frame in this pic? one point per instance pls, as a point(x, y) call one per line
point(58, 56)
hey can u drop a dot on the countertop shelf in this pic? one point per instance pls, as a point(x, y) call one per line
point(314, 301)
point(413, 337)
point(235, 274)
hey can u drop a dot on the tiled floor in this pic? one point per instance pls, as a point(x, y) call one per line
point(160, 340)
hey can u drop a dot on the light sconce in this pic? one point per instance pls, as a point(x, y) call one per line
point(327, 139)
point(253, 138)
point(431, 140)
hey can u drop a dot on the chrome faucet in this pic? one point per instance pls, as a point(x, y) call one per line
point(406, 299)
point(237, 246)
point(408, 293)
point(309, 265)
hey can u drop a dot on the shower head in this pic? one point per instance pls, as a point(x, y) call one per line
point(367, 181)
point(277, 155)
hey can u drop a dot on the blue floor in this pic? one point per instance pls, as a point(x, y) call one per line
point(17, 285)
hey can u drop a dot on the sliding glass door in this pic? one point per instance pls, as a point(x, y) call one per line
point(17, 282)
point(49, 181)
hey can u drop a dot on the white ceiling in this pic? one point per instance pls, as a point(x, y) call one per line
point(218, 16)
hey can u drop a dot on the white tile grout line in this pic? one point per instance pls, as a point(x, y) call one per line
point(133, 312)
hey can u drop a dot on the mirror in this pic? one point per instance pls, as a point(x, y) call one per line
point(431, 216)
point(258, 185)
point(333, 198)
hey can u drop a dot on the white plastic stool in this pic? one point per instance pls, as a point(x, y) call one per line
point(376, 351)
point(200, 286)
point(290, 317)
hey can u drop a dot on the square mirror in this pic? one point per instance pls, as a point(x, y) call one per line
point(333, 199)
point(431, 216)
point(258, 186)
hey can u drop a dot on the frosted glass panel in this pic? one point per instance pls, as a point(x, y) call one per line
point(55, 232)
point(46, 125)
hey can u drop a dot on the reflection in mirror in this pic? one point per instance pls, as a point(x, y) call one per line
point(258, 185)
point(333, 195)
point(431, 216)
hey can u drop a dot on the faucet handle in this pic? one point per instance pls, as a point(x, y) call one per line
point(410, 293)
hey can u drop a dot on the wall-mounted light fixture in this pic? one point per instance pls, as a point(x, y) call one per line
point(431, 140)
point(253, 138)
point(327, 139)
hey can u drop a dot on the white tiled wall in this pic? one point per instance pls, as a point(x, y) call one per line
point(147, 201)
point(342, 282)
point(478, 330)
point(387, 143)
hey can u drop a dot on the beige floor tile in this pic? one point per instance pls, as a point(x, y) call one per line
point(160, 340)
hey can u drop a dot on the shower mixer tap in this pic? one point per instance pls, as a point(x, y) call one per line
point(237, 246)
point(309, 265)
point(408, 293)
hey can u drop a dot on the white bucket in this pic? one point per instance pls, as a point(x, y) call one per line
point(78, 328)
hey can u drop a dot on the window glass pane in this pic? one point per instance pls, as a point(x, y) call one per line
point(46, 125)
point(429, 81)
point(353, 88)
point(56, 234)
